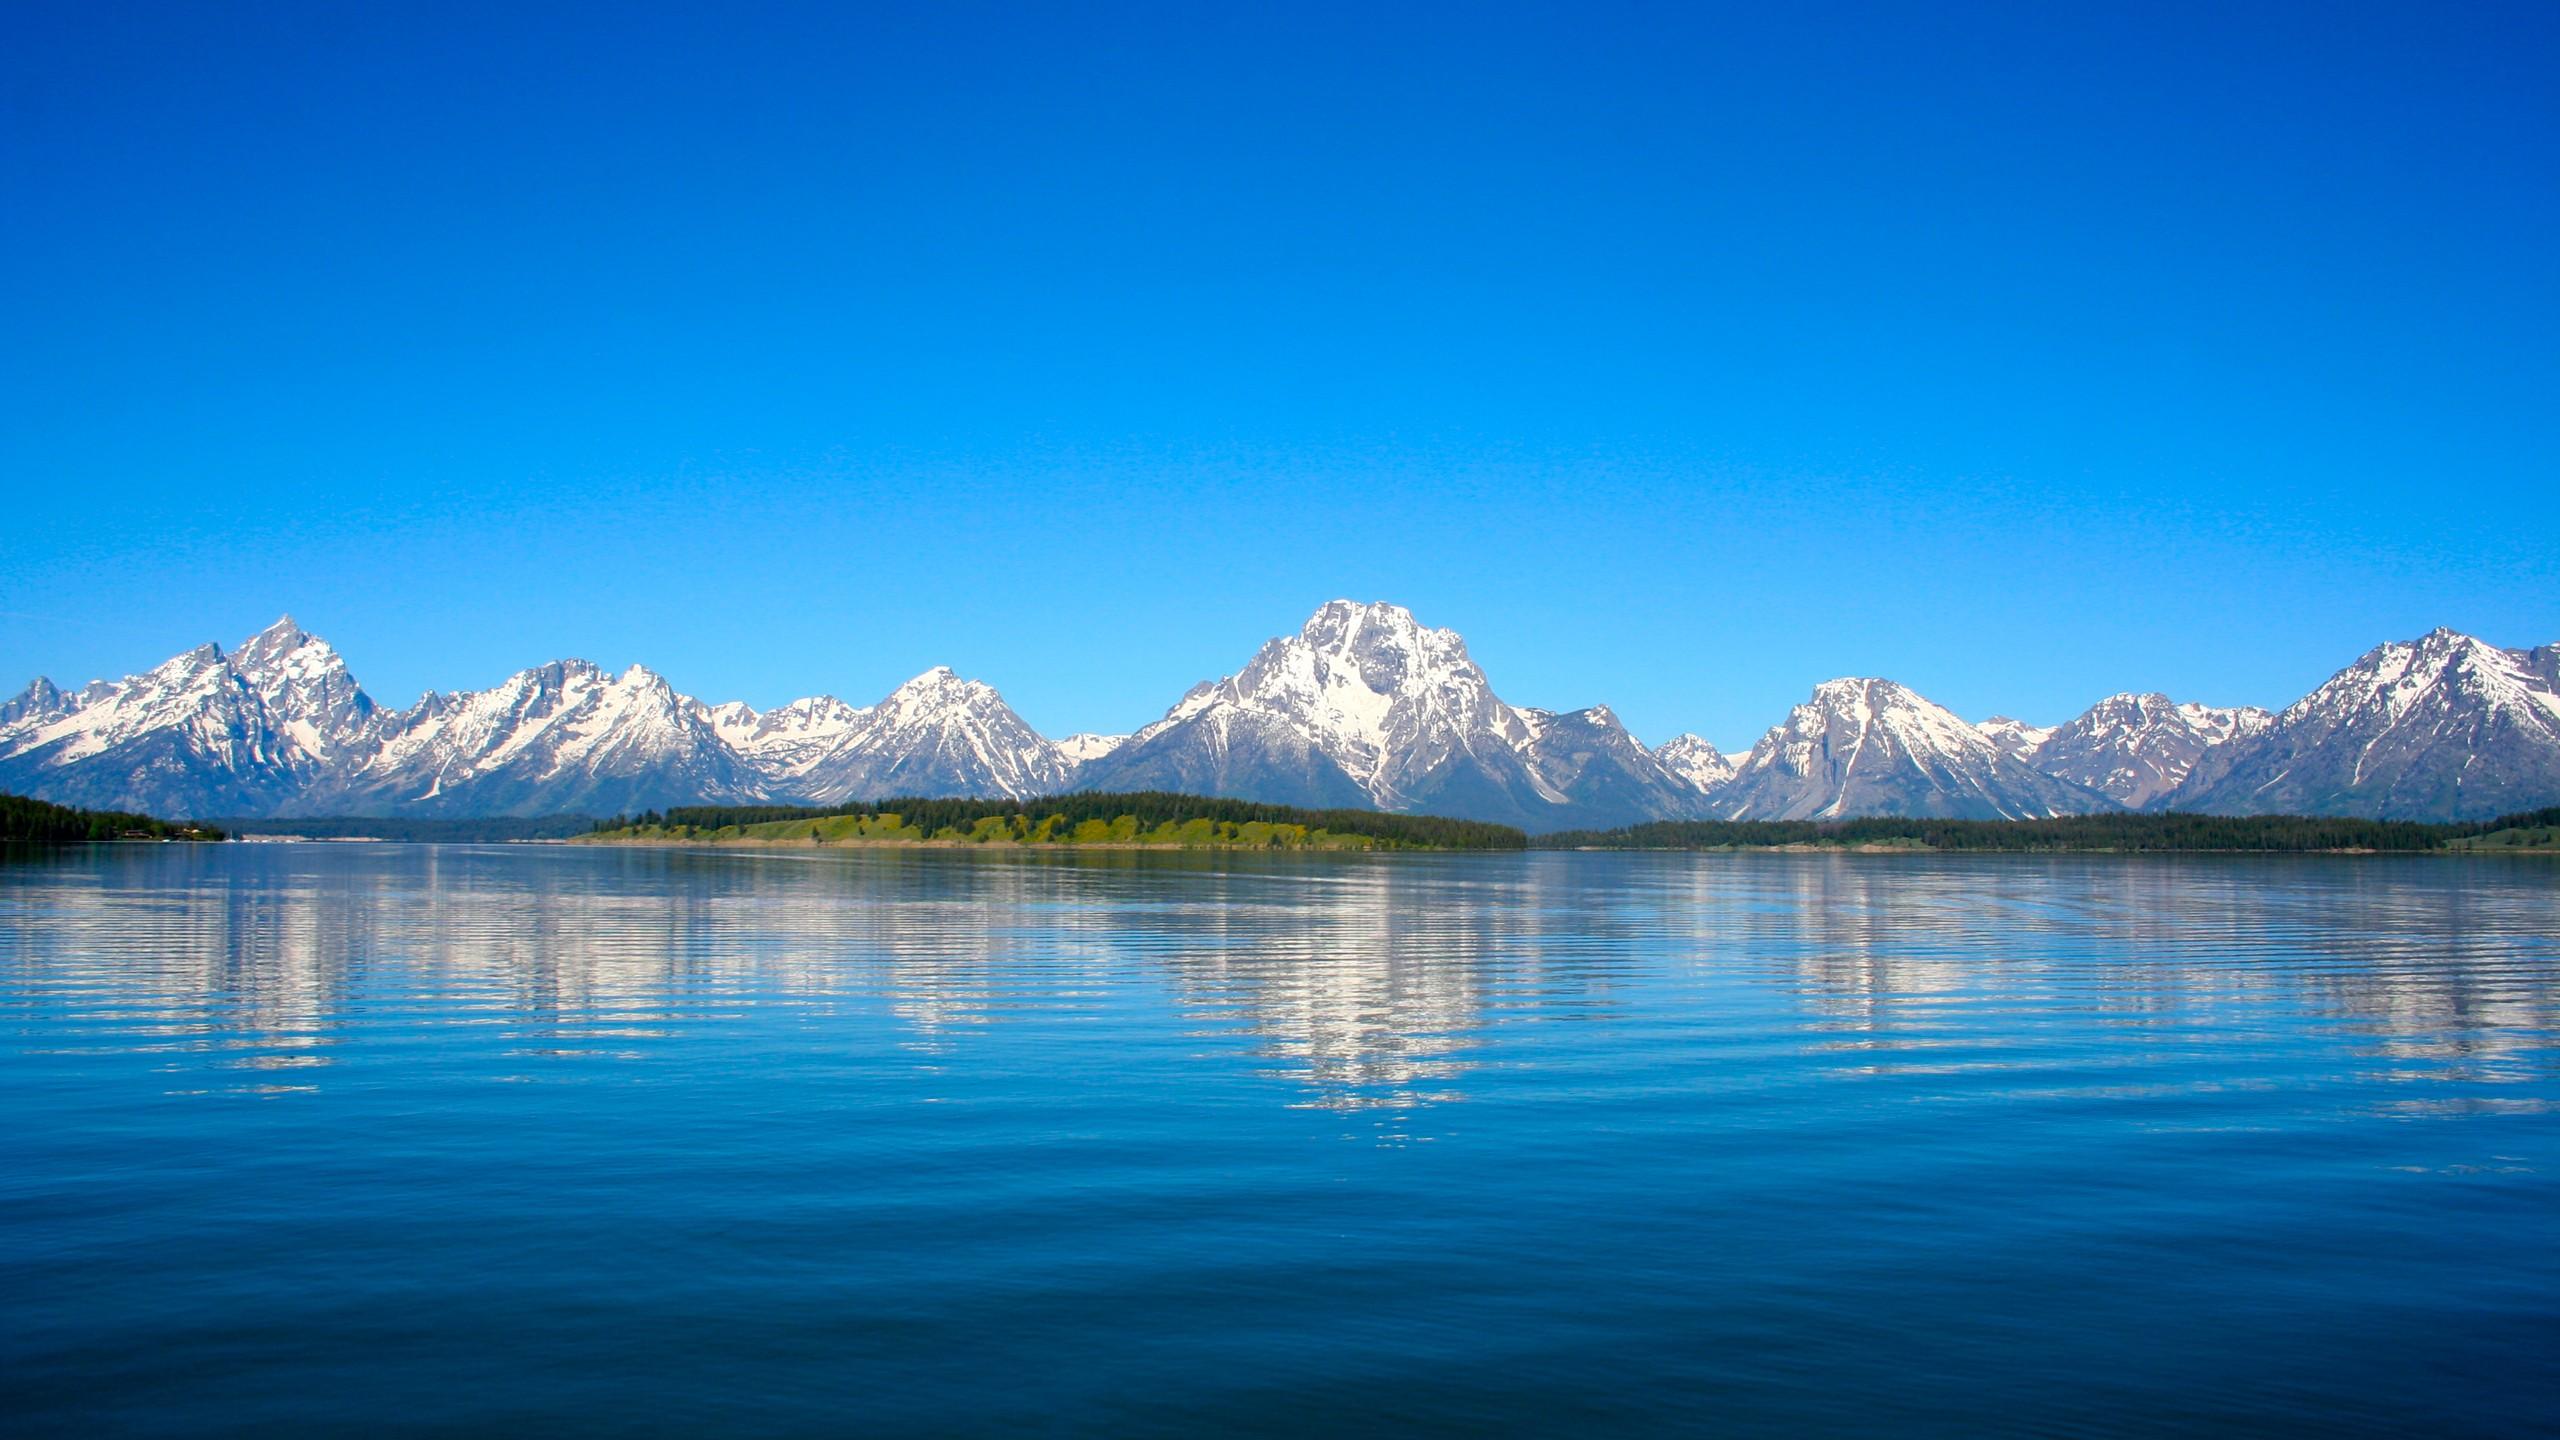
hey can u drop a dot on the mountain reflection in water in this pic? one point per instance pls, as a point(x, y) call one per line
point(547, 1137)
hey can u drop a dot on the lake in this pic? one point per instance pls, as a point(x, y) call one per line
point(419, 1139)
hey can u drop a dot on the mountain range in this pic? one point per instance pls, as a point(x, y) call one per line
point(1364, 706)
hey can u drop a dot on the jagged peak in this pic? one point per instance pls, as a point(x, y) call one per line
point(2138, 700)
point(1858, 690)
point(2151, 705)
point(1337, 625)
point(940, 696)
point(568, 670)
point(1088, 745)
point(41, 698)
point(1336, 613)
point(2441, 647)
point(941, 680)
point(2440, 643)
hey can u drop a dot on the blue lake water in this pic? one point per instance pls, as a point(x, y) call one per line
point(418, 1139)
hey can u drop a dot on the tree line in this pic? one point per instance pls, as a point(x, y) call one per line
point(1060, 816)
point(28, 821)
point(479, 830)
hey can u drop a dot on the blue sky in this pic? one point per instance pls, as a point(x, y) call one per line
point(1680, 357)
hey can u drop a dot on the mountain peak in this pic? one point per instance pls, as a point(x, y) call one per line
point(1691, 758)
point(41, 698)
point(281, 639)
point(1342, 626)
point(940, 686)
point(2137, 747)
point(1367, 705)
point(1863, 745)
point(2444, 725)
point(2014, 736)
point(1860, 692)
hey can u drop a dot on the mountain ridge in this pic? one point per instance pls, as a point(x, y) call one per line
point(1363, 707)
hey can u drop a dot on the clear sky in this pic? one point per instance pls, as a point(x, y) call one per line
point(1680, 356)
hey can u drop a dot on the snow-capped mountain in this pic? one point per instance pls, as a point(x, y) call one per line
point(2441, 727)
point(788, 743)
point(935, 735)
point(280, 726)
point(559, 738)
point(1601, 771)
point(41, 700)
point(1087, 747)
point(2137, 749)
point(307, 688)
point(1691, 758)
point(1872, 747)
point(1365, 706)
point(201, 733)
point(2015, 737)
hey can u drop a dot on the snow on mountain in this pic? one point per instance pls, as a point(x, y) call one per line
point(306, 687)
point(1703, 766)
point(280, 726)
point(2137, 749)
point(2016, 738)
point(1365, 706)
point(41, 700)
point(2441, 727)
point(785, 744)
point(1587, 763)
point(1872, 747)
point(1086, 747)
point(563, 737)
point(201, 733)
point(937, 734)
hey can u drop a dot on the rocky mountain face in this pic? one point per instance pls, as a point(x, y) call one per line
point(2441, 727)
point(2138, 749)
point(565, 737)
point(1872, 747)
point(1088, 747)
point(41, 700)
point(1363, 707)
point(2015, 737)
point(935, 735)
point(1367, 707)
point(1691, 758)
point(307, 689)
point(202, 733)
point(279, 726)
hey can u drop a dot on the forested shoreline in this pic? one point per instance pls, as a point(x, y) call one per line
point(28, 821)
point(1151, 819)
point(1137, 819)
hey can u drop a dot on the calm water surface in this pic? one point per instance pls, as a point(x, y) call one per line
point(515, 1139)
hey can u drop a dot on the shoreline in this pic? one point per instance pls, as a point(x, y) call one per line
point(883, 843)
